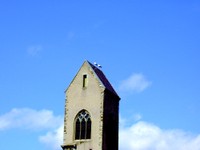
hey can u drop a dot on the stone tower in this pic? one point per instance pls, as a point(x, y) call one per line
point(91, 112)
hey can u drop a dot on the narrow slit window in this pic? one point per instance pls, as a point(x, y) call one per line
point(85, 80)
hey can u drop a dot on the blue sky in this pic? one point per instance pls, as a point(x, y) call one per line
point(149, 51)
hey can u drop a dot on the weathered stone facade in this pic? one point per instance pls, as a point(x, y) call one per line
point(91, 91)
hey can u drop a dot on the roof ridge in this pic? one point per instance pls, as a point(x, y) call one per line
point(103, 78)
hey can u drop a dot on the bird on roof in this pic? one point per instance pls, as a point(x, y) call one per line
point(98, 65)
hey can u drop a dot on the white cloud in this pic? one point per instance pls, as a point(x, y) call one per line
point(146, 136)
point(34, 50)
point(29, 118)
point(53, 139)
point(135, 83)
point(138, 136)
point(129, 119)
point(137, 117)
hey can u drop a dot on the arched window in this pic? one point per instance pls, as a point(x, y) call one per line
point(83, 125)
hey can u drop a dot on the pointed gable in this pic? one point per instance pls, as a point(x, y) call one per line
point(103, 79)
point(100, 77)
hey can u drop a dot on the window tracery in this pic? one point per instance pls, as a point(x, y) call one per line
point(83, 125)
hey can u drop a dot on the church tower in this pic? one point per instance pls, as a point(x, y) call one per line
point(91, 118)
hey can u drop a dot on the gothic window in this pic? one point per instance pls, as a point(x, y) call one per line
point(83, 125)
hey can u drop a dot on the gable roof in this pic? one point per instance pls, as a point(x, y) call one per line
point(103, 79)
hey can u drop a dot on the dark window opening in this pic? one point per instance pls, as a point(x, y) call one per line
point(78, 127)
point(85, 80)
point(88, 133)
point(83, 129)
point(83, 125)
